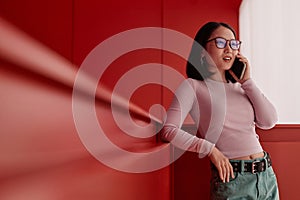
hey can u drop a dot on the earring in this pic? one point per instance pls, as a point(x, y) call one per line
point(201, 61)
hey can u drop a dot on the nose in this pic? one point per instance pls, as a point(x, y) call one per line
point(227, 47)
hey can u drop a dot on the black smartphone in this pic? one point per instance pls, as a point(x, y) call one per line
point(238, 68)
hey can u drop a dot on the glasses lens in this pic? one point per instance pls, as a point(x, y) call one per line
point(220, 43)
point(235, 44)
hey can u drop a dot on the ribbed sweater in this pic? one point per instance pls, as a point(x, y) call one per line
point(225, 114)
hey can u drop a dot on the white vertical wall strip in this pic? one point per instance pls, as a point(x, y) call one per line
point(270, 32)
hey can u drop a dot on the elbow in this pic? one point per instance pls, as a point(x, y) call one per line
point(267, 124)
point(167, 133)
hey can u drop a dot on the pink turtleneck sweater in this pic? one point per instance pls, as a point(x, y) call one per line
point(225, 115)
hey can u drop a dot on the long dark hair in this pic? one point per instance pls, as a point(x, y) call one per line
point(196, 66)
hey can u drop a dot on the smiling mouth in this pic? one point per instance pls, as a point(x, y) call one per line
point(227, 59)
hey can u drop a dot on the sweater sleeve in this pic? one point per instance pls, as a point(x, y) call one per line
point(265, 113)
point(183, 101)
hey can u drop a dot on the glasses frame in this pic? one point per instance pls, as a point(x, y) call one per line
point(215, 39)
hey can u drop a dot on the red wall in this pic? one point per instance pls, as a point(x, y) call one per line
point(42, 156)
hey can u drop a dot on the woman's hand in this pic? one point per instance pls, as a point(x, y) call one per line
point(247, 72)
point(222, 164)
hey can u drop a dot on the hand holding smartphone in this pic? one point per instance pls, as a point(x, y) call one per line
point(238, 68)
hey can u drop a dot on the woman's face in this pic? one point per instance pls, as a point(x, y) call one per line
point(223, 58)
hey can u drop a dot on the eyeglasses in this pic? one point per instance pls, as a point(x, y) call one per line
point(221, 43)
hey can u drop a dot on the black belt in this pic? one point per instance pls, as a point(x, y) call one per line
point(253, 166)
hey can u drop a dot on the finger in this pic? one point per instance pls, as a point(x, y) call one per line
point(242, 58)
point(239, 55)
point(228, 173)
point(224, 176)
point(225, 172)
point(221, 173)
point(232, 173)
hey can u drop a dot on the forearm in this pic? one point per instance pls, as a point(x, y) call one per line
point(186, 141)
point(265, 113)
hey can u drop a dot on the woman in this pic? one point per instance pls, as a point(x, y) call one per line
point(241, 169)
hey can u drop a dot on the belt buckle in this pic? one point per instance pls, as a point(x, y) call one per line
point(253, 170)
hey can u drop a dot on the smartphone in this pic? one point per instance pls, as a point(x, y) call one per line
point(238, 68)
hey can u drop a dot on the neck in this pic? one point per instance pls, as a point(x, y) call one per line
point(219, 76)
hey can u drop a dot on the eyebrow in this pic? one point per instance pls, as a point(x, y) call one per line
point(224, 38)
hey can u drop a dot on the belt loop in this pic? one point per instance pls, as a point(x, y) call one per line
point(265, 155)
point(268, 160)
point(242, 166)
point(266, 163)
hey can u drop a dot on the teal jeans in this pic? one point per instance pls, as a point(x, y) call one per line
point(245, 186)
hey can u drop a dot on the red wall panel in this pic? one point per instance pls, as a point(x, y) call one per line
point(98, 21)
point(49, 22)
point(283, 143)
